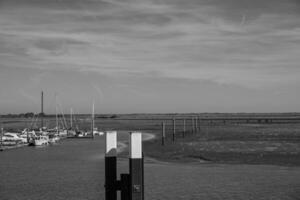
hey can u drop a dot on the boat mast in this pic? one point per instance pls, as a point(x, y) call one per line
point(64, 122)
point(56, 117)
point(71, 119)
point(1, 135)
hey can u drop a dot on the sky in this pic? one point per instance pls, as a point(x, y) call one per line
point(150, 56)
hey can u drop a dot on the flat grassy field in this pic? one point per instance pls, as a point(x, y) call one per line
point(243, 143)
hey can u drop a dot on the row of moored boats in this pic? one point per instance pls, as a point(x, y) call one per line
point(42, 137)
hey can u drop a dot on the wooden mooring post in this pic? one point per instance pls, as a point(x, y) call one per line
point(193, 126)
point(199, 124)
point(131, 185)
point(163, 133)
point(174, 130)
point(183, 132)
point(196, 124)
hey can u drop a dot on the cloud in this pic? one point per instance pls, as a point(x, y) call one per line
point(249, 44)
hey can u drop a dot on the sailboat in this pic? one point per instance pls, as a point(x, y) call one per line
point(91, 133)
point(71, 131)
point(95, 129)
point(54, 135)
point(61, 132)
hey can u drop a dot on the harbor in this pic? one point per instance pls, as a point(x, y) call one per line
point(36, 134)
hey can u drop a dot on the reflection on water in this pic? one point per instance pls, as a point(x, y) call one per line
point(74, 169)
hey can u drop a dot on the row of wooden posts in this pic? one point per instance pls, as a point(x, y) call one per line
point(195, 128)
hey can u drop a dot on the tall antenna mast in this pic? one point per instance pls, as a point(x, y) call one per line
point(93, 113)
point(42, 109)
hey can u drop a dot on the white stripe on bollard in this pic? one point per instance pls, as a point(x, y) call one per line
point(135, 150)
point(111, 144)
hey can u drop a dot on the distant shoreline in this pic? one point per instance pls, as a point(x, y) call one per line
point(116, 115)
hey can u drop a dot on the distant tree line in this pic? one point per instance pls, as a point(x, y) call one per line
point(107, 116)
point(22, 115)
point(31, 115)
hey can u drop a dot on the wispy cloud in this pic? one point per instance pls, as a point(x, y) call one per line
point(249, 44)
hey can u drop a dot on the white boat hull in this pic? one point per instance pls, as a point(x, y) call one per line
point(40, 141)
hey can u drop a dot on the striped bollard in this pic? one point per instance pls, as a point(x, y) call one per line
point(110, 165)
point(136, 167)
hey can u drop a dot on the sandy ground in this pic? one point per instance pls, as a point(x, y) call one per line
point(122, 145)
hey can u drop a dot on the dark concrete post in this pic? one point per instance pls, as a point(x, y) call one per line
point(110, 165)
point(163, 134)
point(183, 133)
point(125, 182)
point(136, 188)
point(174, 129)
